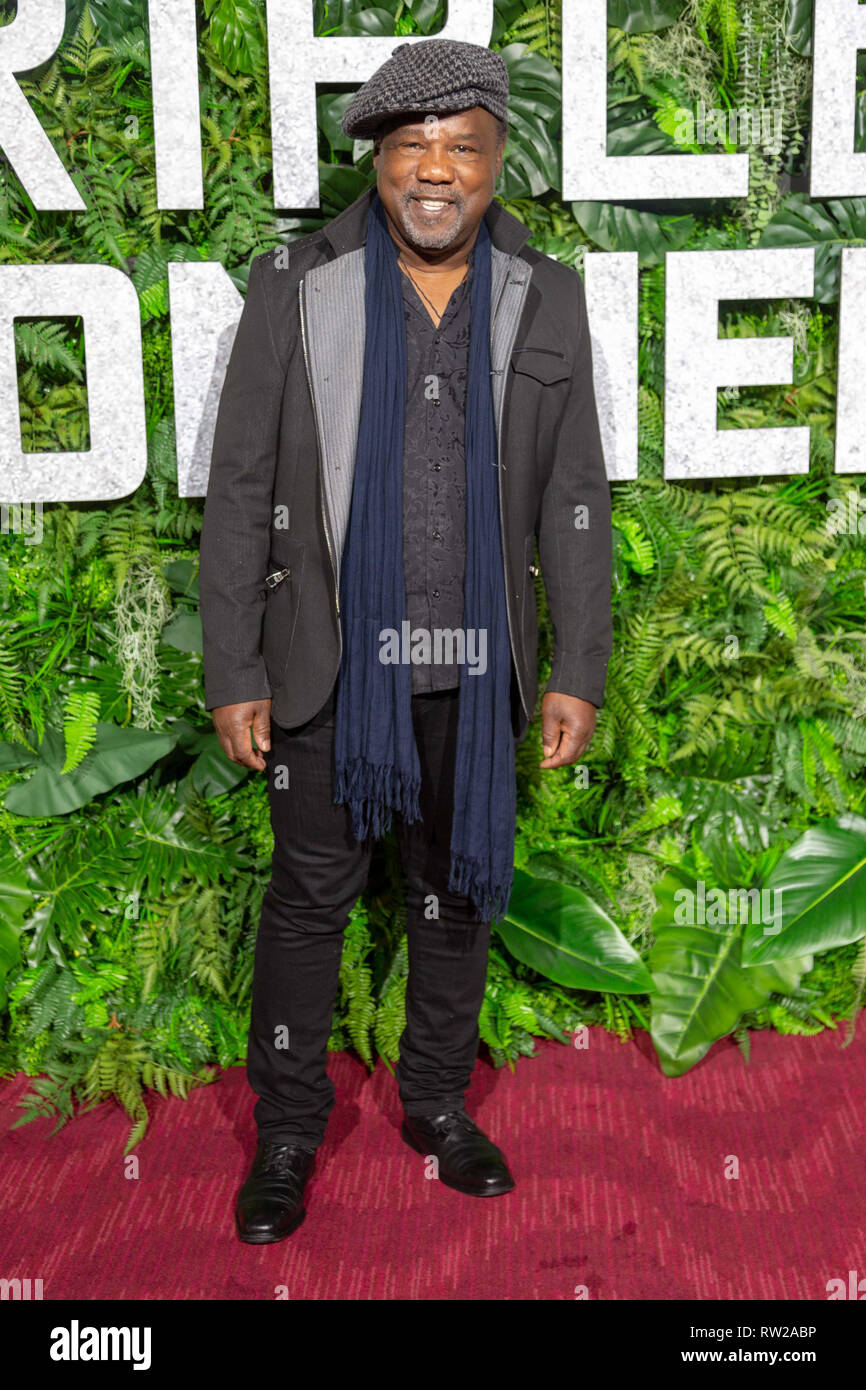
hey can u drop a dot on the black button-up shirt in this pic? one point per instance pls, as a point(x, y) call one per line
point(434, 471)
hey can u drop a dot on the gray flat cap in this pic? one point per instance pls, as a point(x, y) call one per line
point(433, 75)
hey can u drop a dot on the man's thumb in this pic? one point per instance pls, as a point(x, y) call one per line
point(262, 729)
point(549, 734)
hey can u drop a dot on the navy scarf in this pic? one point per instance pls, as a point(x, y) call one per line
point(377, 766)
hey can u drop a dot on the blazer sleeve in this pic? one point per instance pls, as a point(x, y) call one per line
point(235, 535)
point(574, 537)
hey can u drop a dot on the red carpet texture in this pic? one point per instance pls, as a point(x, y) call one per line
point(735, 1181)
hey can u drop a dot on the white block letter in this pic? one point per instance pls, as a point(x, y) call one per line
point(611, 305)
point(851, 370)
point(176, 111)
point(31, 38)
point(698, 362)
point(839, 30)
point(587, 172)
point(205, 309)
point(116, 461)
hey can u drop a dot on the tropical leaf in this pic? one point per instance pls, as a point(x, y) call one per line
point(636, 548)
point(14, 755)
point(827, 226)
point(425, 13)
point(170, 849)
point(798, 26)
point(116, 20)
point(182, 578)
point(540, 27)
point(531, 161)
point(643, 16)
point(330, 109)
point(118, 756)
point(617, 228)
point(213, 773)
point(81, 716)
point(821, 880)
point(15, 901)
point(702, 987)
point(236, 30)
point(339, 186)
point(625, 135)
point(183, 631)
point(561, 932)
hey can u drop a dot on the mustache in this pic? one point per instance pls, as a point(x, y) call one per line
point(420, 193)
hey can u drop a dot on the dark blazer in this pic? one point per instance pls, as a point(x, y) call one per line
point(279, 489)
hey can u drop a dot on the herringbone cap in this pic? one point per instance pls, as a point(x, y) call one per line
point(433, 75)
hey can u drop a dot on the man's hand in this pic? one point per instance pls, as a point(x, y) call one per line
point(232, 724)
point(567, 725)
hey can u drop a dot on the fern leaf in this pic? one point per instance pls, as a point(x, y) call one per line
point(80, 716)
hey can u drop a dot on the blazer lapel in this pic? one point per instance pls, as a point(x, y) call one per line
point(333, 298)
point(510, 285)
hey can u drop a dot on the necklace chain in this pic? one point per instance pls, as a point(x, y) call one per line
point(401, 262)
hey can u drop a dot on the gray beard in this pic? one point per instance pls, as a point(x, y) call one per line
point(432, 239)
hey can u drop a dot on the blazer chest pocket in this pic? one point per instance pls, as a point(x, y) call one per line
point(546, 365)
point(282, 591)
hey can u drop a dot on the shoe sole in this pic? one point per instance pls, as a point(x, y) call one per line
point(272, 1240)
point(498, 1190)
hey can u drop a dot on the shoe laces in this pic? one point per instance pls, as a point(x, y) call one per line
point(280, 1158)
point(452, 1120)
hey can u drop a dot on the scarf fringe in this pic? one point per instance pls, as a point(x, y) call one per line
point(471, 878)
point(373, 792)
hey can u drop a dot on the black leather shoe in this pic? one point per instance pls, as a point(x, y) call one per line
point(468, 1160)
point(270, 1203)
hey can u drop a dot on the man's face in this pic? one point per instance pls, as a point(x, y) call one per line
point(436, 175)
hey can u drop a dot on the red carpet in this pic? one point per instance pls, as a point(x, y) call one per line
point(620, 1175)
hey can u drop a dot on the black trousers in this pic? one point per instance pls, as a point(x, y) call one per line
point(318, 872)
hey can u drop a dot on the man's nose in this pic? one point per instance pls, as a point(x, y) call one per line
point(435, 166)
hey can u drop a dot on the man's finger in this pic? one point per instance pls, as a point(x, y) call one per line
point(550, 731)
point(262, 729)
point(244, 753)
point(236, 745)
point(566, 750)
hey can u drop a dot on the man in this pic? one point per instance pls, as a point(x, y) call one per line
point(407, 406)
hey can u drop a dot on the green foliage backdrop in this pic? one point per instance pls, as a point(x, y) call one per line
point(729, 752)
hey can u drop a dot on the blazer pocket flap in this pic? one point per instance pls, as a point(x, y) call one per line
point(545, 364)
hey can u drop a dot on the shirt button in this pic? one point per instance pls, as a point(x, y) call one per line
point(435, 593)
point(436, 536)
point(436, 467)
